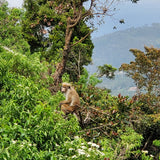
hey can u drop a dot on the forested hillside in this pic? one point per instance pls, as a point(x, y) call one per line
point(36, 57)
point(114, 49)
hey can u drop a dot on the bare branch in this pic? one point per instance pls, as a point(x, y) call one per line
point(103, 9)
point(98, 110)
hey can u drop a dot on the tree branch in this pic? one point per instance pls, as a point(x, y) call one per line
point(74, 21)
point(82, 38)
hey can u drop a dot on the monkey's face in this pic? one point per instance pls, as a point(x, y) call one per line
point(64, 89)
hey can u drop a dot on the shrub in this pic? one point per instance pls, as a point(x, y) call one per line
point(30, 125)
point(123, 148)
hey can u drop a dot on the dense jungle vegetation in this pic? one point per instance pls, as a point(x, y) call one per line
point(31, 123)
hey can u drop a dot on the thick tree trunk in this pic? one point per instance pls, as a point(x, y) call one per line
point(60, 69)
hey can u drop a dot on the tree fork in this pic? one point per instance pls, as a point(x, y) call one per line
point(72, 21)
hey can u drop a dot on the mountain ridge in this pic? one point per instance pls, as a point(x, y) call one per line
point(114, 49)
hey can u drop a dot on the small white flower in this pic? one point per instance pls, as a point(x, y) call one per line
point(71, 149)
point(95, 145)
point(74, 156)
point(145, 151)
point(14, 142)
point(76, 137)
point(81, 151)
point(34, 145)
point(87, 155)
point(56, 145)
point(83, 147)
point(151, 155)
point(90, 143)
point(100, 152)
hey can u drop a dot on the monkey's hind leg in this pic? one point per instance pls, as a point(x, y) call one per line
point(66, 108)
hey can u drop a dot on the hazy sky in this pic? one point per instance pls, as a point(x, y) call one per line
point(145, 12)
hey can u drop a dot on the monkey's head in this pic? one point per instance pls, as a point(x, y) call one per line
point(65, 87)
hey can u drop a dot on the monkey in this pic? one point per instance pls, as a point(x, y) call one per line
point(72, 102)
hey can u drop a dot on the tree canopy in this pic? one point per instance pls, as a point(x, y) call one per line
point(45, 26)
point(106, 70)
point(60, 26)
point(145, 70)
point(10, 28)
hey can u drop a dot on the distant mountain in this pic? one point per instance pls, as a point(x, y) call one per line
point(114, 49)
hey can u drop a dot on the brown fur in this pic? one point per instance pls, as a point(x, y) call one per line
point(72, 101)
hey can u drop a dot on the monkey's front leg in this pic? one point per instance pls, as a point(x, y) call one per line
point(64, 102)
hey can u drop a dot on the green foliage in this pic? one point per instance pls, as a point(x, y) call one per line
point(10, 29)
point(80, 55)
point(79, 149)
point(144, 115)
point(86, 87)
point(21, 64)
point(44, 27)
point(145, 156)
point(145, 109)
point(123, 148)
point(30, 128)
point(31, 124)
point(106, 70)
point(110, 116)
point(145, 70)
point(156, 143)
